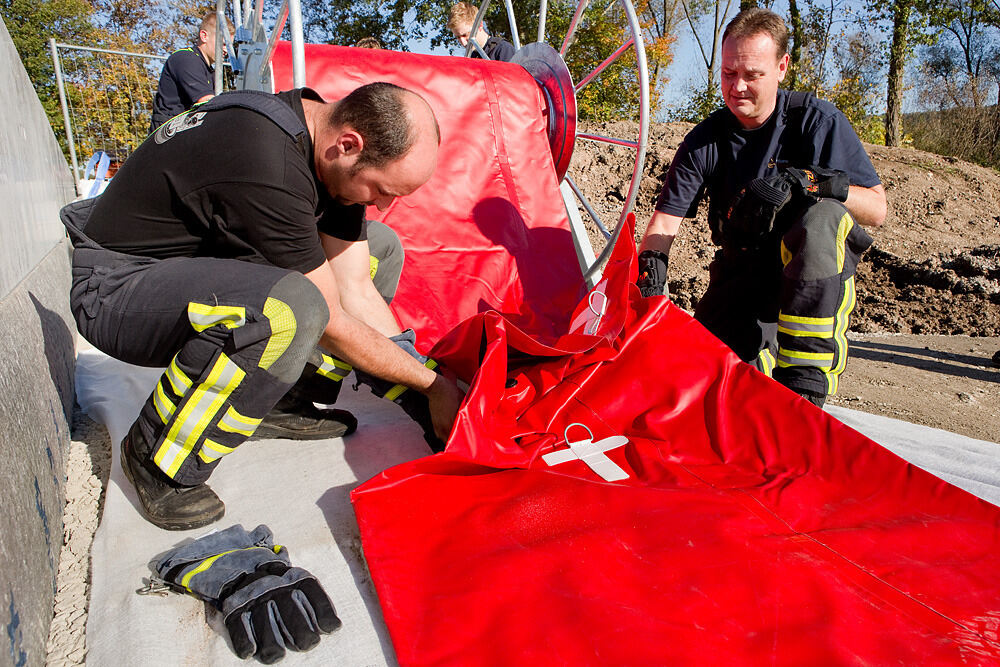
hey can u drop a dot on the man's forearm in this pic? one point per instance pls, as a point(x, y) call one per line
point(660, 233)
point(363, 302)
point(369, 350)
point(867, 205)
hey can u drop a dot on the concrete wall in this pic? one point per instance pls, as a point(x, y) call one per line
point(36, 362)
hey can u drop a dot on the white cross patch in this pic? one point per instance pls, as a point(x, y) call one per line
point(592, 453)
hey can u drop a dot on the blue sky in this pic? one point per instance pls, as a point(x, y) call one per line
point(687, 70)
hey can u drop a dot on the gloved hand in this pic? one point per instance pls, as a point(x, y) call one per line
point(413, 402)
point(267, 605)
point(817, 182)
point(751, 216)
point(652, 279)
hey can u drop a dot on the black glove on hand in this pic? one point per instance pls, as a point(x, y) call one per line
point(267, 605)
point(413, 402)
point(753, 211)
point(817, 182)
point(751, 216)
point(652, 279)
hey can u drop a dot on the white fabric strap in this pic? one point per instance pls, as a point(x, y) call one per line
point(592, 453)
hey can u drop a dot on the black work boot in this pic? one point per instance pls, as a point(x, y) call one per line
point(816, 399)
point(163, 502)
point(297, 418)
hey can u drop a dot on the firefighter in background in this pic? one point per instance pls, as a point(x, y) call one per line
point(788, 183)
point(460, 20)
point(231, 243)
point(188, 75)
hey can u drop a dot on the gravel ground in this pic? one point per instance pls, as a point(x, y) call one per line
point(87, 470)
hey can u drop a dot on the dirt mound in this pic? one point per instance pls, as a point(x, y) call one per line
point(935, 264)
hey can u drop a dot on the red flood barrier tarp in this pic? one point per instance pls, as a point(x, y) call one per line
point(489, 230)
point(752, 528)
point(745, 527)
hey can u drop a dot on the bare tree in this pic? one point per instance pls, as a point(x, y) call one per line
point(709, 47)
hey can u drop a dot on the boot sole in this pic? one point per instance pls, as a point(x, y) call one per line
point(344, 428)
point(160, 523)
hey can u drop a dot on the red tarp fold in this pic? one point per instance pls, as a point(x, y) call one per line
point(752, 528)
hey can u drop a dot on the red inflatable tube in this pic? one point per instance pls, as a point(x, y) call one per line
point(489, 230)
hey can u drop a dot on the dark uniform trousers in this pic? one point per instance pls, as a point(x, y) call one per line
point(785, 307)
point(234, 337)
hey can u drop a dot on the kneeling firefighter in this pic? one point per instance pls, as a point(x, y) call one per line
point(247, 269)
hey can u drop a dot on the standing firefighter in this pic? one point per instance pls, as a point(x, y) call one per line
point(460, 20)
point(230, 244)
point(188, 76)
point(787, 181)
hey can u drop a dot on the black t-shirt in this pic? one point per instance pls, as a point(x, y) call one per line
point(186, 78)
point(228, 183)
point(718, 157)
point(496, 49)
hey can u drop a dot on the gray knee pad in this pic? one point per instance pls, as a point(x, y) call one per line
point(815, 242)
point(311, 315)
point(385, 248)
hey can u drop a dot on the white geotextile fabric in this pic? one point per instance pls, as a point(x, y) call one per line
point(301, 491)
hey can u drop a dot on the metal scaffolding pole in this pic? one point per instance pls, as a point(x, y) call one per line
point(65, 109)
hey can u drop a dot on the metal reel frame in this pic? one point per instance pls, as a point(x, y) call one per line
point(562, 116)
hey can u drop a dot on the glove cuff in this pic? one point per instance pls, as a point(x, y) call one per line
point(214, 564)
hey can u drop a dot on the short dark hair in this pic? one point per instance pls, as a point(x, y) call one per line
point(377, 111)
point(757, 20)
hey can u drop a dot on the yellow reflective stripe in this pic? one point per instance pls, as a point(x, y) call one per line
point(283, 324)
point(334, 369)
point(766, 362)
point(203, 316)
point(808, 327)
point(820, 360)
point(396, 391)
point(213, 451)
point(197, 414)
point(208, 562)
point(786, 256)
point(164, 406)
point(840, 334)
point(373, 265)
point(202, 566)
point(234, 422)
point(178, 380)
point(803, 319)
point(805, 334)
point(843, 229)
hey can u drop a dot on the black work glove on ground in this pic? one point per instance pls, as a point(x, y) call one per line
point(267, 605)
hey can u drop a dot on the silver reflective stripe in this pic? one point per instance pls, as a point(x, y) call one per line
point(821, 361)
point(178, 380)
point(801, 326)
point(234, 422)
point(335, 369)
point(212, 451)
point(203, 316)
point(196, 414)
point(164, 407)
